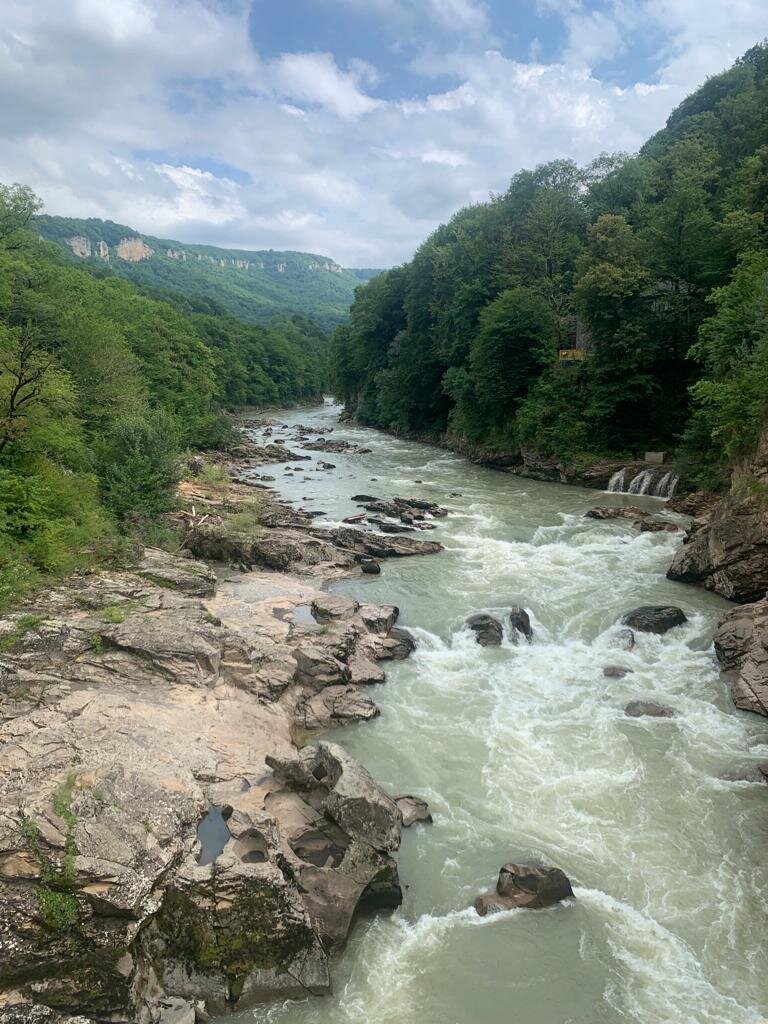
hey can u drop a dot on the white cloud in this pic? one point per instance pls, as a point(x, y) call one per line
point(315, 78)
point(126, 109)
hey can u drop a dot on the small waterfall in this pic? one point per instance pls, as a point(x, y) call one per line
point(647, 481)
point(665, 488)
point(641, 484)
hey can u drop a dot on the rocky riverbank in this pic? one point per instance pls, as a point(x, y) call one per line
point(525, 462)
point(140, 705)
point(726, 550)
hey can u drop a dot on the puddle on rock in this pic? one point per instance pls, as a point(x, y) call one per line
point(213, 834)
point(302, 615)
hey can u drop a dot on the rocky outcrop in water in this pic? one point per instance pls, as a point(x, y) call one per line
point(132, 702)
point(520, 624)
point(741, 645)
point(615, 512)
point(654, 618)
point(726, 549)
point(413, 810)
point(525, 886)
point(488, 630)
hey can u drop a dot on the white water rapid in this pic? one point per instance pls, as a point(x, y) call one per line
point(525, 751)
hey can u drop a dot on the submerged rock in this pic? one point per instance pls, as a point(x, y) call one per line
point(646, 708)
point(654, 618)
point(623, 639)
point(488, 631)
point(529, 886)
point(616, 671)
point(656, 526)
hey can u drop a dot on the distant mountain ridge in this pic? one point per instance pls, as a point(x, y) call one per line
point(255, 286)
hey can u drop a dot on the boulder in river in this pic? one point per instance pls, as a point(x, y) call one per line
point(615, 512)
point(413, 810)
point(654, 618)
point(656, 526)
point(529, 886)
point(370, 566)
point(616, 671)
point(397, 645)
point(488, 631)
point(647, 709)
point(520, 623)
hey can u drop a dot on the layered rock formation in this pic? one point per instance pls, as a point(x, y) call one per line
point(741, 645)
point(133, 703)
point(726, 549)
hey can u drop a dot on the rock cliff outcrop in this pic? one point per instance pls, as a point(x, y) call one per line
point(135, 703)
point(726, 549)
point(741, 645)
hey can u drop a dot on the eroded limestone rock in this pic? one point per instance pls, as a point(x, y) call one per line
point(741, 645)
point(133, 703)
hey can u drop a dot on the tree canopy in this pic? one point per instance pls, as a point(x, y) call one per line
point(651, 265)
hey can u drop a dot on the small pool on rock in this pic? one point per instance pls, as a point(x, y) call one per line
point(213, 834)
point(302, 615)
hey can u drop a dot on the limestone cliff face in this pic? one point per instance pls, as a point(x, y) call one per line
point(133, 250)
point(80, 246)
point(727, 551)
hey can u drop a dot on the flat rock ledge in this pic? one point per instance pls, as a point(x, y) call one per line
point(132, 703)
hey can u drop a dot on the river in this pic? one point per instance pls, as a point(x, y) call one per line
point(525, 751)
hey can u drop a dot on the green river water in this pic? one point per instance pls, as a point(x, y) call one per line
point(526, 752)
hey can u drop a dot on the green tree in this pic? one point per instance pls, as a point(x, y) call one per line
point(138, 468)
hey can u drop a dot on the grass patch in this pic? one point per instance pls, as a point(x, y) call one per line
point(24, 624)
point(247, 520)
point(57, 902)
point(213, 475)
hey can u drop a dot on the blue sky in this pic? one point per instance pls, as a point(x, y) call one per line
point(349, 128)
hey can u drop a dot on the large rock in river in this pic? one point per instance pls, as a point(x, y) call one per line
point(529, 886)
point(488, 631)
point(654, 618)
point(520, 624)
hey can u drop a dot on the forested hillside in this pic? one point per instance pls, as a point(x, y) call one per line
point(253, 286)
point(101, 389)
point(594, 310)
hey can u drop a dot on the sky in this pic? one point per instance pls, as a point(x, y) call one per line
point(347, 128)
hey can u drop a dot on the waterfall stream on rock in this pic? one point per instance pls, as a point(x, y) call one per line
point(647, 481)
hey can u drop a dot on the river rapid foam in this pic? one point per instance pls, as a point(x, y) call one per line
point(525, 751)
